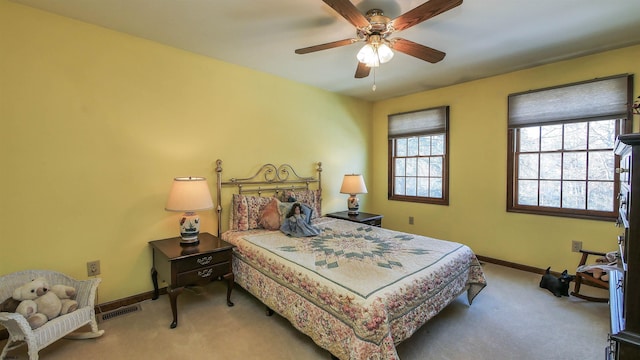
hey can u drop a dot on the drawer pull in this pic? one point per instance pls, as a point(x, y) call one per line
point(205, 260)
point(621, 170)
point(205, 273)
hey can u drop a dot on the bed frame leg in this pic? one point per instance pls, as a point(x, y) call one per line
point(269, 311)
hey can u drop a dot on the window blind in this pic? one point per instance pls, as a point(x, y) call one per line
point(598, 99)
point(418, 122)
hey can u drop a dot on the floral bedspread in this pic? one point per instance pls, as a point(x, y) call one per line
point(356, 290)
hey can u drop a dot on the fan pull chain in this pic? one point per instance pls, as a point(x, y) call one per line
point(373, 88)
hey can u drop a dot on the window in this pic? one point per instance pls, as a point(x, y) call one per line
point(418, 156)
point(561, 140)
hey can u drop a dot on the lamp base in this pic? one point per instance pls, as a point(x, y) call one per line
point(353, 204)
point(188, 249)
point(189, 228)
point(189, 242)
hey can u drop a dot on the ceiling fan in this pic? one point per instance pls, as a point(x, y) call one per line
point(374, 29)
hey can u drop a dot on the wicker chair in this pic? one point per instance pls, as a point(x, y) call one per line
point(20, 333)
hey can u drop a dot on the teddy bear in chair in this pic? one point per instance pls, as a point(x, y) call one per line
point(70, 325)
point(39, 302)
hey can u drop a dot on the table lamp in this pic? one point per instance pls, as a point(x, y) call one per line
point(188, 195)
point(353, 184)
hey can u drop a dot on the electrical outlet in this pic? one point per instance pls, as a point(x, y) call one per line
point(410, 220)
point(576, 246)
point(93, 268)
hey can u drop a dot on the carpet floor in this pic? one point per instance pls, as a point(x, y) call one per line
point(512, 318)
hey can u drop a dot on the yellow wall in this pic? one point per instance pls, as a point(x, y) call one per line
point(95, 124)
point(476, 215)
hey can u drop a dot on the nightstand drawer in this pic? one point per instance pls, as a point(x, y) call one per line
point(376, 222)
point(203, 260)
point(204, 274)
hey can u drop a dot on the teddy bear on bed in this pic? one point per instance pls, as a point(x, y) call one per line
point(38, 302)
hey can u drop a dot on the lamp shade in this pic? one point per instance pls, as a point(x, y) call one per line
point(189, 194)
point(353, 184)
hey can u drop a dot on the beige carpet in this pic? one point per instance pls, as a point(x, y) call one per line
point(512, 318)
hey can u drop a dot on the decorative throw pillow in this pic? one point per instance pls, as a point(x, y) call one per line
point(239, 214)
point(255, 204)
point(270, 216)
point(284, 208)
point(307, 211)
point(312, 198)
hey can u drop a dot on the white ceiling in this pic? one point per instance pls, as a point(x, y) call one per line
point(481, 37)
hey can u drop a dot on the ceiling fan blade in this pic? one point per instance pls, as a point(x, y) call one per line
point(349, 12)
point(423, 12)
point(362, 71)
point(416, 50)
point(326, 46)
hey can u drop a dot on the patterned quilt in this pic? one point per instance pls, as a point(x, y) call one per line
point(357, 290)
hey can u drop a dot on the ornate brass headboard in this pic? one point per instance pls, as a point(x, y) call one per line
point(269, 179)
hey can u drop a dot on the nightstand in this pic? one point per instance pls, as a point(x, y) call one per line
point(182, 266)
point(362, 218)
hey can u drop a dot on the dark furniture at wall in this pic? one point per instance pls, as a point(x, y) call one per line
point(362, 218)
point(180, 266)
point(624, 287)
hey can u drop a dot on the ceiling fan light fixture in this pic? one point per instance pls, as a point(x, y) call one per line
point(367, 55)
point(384, 53)
point(374, 28)
point(373, 55)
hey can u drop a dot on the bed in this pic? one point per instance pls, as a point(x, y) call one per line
point(356, 290)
